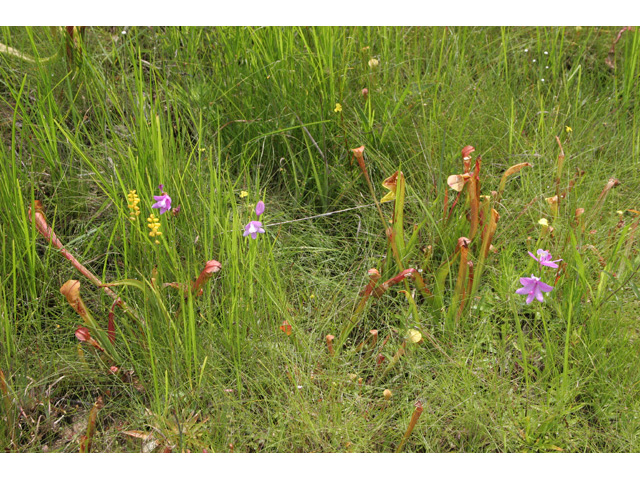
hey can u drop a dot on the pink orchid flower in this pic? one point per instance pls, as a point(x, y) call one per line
point(253, 228)
point(163, 202)
point(545, 258)
point(533, 288)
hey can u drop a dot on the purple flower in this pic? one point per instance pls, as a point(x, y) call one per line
point(163, 202)
point(260, 208)
point(533, 288)
point(545, 258)
point(253, 228)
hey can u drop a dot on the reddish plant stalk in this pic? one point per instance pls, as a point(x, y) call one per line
point(50, 236)
point(412, 423)
point(86, 440)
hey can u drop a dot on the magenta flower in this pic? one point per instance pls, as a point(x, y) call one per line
point(260, 208)
point(533, 288)
point(545, 258)
point(253, 228)
point(163, 202)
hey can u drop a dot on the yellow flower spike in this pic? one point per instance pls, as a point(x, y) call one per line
point(154, 225)
point(373, 63)
point(133, 200)
point(244, 194)
point(338, 108)
point(568, 129)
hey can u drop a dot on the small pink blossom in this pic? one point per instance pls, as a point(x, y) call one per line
point(163, 202)
point(253, 228)
point(545, 258)
point(533, 288)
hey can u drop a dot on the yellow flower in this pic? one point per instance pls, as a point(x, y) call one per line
point(153, 223)
point(338, 108)
point(244, 193)
point(544, 223)
point(568, 129)
point(373, 63)
point(415, 336)
point(134, 200)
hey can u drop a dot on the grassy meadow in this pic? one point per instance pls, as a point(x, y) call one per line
point(351, 324)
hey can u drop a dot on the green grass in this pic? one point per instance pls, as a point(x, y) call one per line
point(212, 112)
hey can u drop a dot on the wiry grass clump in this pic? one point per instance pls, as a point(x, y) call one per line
point(123, 331)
